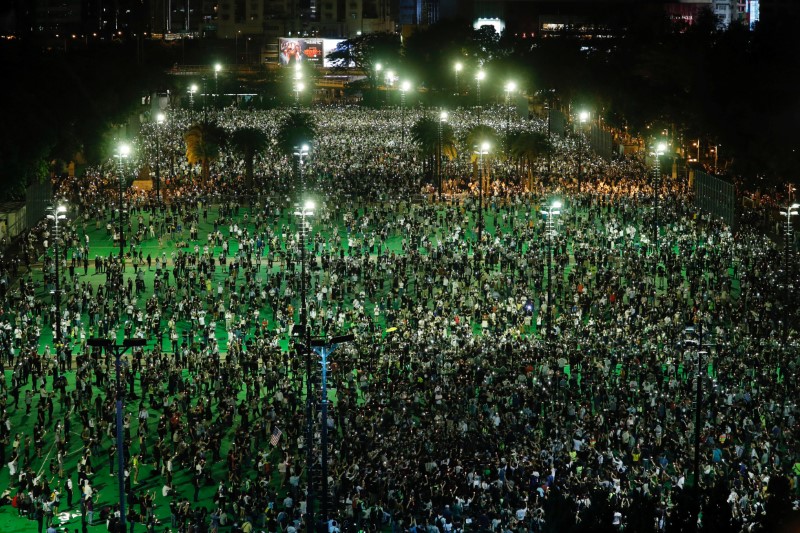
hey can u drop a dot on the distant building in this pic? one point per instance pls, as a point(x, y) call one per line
point(418, 12)
point(294, 18)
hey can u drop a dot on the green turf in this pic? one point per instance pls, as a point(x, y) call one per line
point(102, 244)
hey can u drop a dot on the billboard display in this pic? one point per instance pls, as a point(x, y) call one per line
point(328, 46)
point(292, 50)
point(315, 51)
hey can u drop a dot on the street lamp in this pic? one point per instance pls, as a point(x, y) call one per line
point(694, 340)
point(716, 158)
point(57, 214)
point(480, 151)
point(118, 350)
point(788, 211)
point(390, 83)
point(479, 77)
point(217, 69)
point(510, 88)
point(458, 67)
point(378, 68)
point(442, 120)
point(192, 90)
point(123, 151)
point(660, 149)
point(324, 347)
point(160, 118)
point(301, 152)
point(583, 116)
point(298, 88)
point(205, 101)
point(553, 210)
point(304, 212)
point(404, 87)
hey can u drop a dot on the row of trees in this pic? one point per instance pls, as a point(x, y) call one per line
point(205, 142)
point(729, 88)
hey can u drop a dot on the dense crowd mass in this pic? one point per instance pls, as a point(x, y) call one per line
point(468, 399)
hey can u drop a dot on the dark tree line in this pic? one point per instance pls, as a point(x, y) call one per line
point(734, 88)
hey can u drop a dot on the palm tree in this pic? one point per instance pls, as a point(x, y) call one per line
point(203, 142)
point(526, 147)
point(296, 128)
point(480, 134)
point(248, 142)
point(425, 134)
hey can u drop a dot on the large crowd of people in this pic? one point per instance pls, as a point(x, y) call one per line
point(499, 380)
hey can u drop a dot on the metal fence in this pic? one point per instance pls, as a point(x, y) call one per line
point(715, 196)
point(38, 196)
point(557, 122)
point(601, 142)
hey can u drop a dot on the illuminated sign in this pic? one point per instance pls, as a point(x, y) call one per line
point(293, 50)
point(314, 51)
point(497, 24)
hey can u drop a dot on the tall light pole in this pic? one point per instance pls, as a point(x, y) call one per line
point(58, 213)
point(118, 350)
point(442, 120)
point(479, 77)
point(660, 149)
point(788, 211)
point(458, 67)
point(404, 87)
point(716, 158)
point(160, 118)
point(510, 88)
point(390, 83)
point(192, 90)
point(205, 101)
point(583, 116)
point(304, 212)
point(217, 69)
point(480, 151)
point(123, 151)
point(694, 339)
point(553, 210)
point(324, 347)
point(378, 68)
point(301, 152)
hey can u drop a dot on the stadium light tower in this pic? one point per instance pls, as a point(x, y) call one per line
point(553, 210)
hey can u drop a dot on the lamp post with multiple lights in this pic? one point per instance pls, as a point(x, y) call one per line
point(390, 84)
point(788, 211)
point(442, 120)
point(660, 149)
point(123, 151)
point(298, 84)
point(404, 87)
point(160, 118)
point(217, 70)
point(57, 214)
point(479, 77)
point(119, 350)
point(480, 150)
point(583, 116)
point(510, 88)
point(305, 212)
point(553, 210)
point(192, 90)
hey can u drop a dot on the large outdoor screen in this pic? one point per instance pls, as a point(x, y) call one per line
point(306, 49)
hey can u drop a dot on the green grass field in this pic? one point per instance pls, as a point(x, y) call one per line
point(102, 244)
